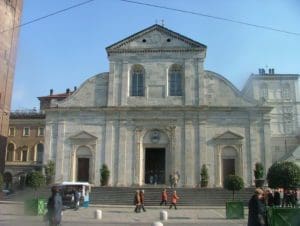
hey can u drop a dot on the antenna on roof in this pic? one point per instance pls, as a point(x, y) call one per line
point(162, 23)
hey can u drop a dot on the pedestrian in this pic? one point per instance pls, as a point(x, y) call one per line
point(142, 198)
point(269, 198)
point(54, 206)
point(164, 197)
point(174, 200)
point(257, 209)
point(137, 202)
point(76, 200)
point(277, 198)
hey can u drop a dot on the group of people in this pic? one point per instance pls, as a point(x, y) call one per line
point(263, 198)
point(139, 200)
point(174, 179)
point(164, 199)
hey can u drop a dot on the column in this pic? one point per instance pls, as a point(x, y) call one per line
point(202, 141)
point(59, 162)
point(122, 154)
point(124, 86)
point(109, 146)
point(111, 85)
point(189, 174)
point(266, 139)
point(138, 147)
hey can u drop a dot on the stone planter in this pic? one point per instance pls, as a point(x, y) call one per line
point(259, 183)
point(283, 216)
point(35, 207)
point(234, 210)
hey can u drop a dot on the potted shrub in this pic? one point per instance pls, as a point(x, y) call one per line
point(259, 175)
point(104, 171)
point(284, 175)
point(204, 176)
point(234, 208)
point(36, 205)
point(50, 172)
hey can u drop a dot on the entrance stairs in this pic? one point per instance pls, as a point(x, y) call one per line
point(188, 196)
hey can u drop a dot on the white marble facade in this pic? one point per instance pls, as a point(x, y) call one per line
point(208, 122)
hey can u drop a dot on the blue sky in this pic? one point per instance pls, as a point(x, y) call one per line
point(64, 50)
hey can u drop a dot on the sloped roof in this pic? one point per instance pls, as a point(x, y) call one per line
point(155, 27)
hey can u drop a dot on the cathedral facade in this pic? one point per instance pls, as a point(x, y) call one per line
point(157, 111)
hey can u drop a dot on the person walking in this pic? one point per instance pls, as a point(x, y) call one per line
point(174, 200)
point(137, 202)
point(76, 200)
point(142, 198)
point(164, 197)
point(54, 207)
point(257, 209)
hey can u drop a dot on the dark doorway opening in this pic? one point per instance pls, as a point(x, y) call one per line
point(83, 169)
point(155, 166)
point(228, 167)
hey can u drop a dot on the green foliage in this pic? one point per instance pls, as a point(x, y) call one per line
point(204, 176)
point(284, 175)
point(35, 179)
point(50, 171)
point(1, 182)
point(104, 171)
point(233, 183)
point(258, 171)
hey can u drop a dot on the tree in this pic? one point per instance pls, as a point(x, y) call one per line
point(233, 183)
point(284, 175)
point(104, 171)
point(35, 180)
point(204, 176)
point(50, 171)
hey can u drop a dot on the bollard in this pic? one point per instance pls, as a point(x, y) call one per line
point(157, 223)
point(98, 214)
point(163, 215)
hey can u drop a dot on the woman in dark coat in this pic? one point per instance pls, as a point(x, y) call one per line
point(54, 207)
point(257, 209)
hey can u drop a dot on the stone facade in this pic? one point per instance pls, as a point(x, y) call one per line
point(280, 91)
point(10, 16)
point(144, 118)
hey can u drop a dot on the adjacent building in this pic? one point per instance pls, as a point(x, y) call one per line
point(10, 16)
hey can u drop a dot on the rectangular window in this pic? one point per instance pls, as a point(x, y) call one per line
point(26, 131)
point(11, 131)
point(41, 131)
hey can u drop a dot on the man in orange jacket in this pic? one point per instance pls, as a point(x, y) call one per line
point(174, 200)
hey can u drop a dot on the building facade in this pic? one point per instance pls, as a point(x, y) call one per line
point(157, 111)
point(25, 146)
point(280, 91)
point(10, 16)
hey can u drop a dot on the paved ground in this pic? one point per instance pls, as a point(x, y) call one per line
point(12, 214)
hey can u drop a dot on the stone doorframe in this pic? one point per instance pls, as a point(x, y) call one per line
point(83, 139)
point(142, 143)
point(232, 140)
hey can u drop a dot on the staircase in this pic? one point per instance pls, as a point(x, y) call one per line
point(188, 196)
point(125, 195)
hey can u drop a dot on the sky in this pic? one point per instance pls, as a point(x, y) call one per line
point(64, 50)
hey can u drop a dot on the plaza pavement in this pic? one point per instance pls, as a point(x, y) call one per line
point(12, 214)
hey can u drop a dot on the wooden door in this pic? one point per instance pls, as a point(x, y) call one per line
point(83, 169)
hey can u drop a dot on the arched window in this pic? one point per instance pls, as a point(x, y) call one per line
point(137, 80)
point(10, 152)
point(40, 153)
point(31, 154)
point(24, 153)
point(263, 91)
point(175, 80)
point(286, 91)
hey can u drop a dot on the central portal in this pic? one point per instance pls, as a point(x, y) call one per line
point(155, 166)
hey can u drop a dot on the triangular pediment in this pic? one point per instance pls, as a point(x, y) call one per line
point(83, 136)
point(228, 135)
point(156, 37)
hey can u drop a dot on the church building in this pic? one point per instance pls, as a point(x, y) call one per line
point(157, 111)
